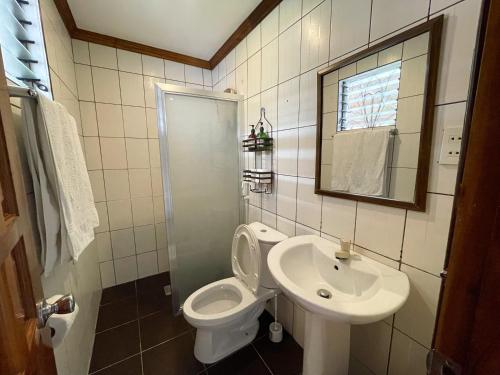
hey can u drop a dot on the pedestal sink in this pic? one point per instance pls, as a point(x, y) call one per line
point(335, 294)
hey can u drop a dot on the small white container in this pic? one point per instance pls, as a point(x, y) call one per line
point(275, 332)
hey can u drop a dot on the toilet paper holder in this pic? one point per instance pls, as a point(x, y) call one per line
point(64, 305)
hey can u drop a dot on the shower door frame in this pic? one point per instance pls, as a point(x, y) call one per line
point(161, 90)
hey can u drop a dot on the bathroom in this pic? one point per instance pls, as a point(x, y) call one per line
point(255, 177)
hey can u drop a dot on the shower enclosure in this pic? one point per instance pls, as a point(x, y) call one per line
point(198, 133)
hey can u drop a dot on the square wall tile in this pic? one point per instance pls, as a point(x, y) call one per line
point(137, 153)
point(103, 242)
point(109, 120)
point(407, 356)
point(241, 79)
point(409, 118)
point(231, 61)
point(307, 151)
point(107, 271)
point(270, 65)
point(120, 214)
point(417, 316)
point(289, 53)
point(84, 82)
point(117, 186)
point(122, 242)
point(370, 344)
point(308, 101)
point(129, 61)
point(288, 104)
point(113, 153)
point(97, 183)
point(194, 74)
point(154, 153)
point(269, 27)
point(125, 269)
point(106, 86)
point(412, 81)
point(102, 212)
point(380, 229)
point(308, 204)
point(406, 150)
point(132, 89)
point(88, 119)
point(207, 77)
point(92, 153)
point(145, 239)
point(254, 214)
point(302, 230)
point(103, 56)
point(287, 152)
point(286, 205)
point(174, 70)
point(269, 100)
point(156, 181)
point(315, 44)
point(163, 261)
point(134, 122)
point(285, 226)
point(81, 51)
point(142, 210)
point(402, 14)
point(253, 43)
point(254, 74)
point(426, 234)
point(290, 12)
point(161, 235)
point(338, 218)
point(457, 49)
point(140, 183)
point(147, 264)
point(152, 66)
point(151, 122)
point(241, 55)
point(269, 219)
point(159, 209)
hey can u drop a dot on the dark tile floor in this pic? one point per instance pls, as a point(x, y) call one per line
point(137, 334)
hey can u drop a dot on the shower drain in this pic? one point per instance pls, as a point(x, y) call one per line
point(323, 293)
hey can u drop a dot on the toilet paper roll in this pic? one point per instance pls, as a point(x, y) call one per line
point(60, 323)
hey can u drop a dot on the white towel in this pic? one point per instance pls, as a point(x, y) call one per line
point(345, 144)
point(77, 209)
point(369, 168)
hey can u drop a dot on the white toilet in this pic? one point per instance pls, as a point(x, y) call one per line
point(226, 312)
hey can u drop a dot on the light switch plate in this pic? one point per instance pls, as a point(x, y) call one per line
point(450, 146)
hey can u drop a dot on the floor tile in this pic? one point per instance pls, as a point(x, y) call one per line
point(116, 313)
point(114, 345)
point(161, 326)
point(153, 283)
point(246, 361)
point(284, 358)
point(131, 366)
point(174, 357)
point(152, 302)
point(118, 292)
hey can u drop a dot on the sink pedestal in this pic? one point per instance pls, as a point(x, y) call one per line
point(326, 346)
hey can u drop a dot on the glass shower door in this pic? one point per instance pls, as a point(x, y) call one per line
point(200, 168)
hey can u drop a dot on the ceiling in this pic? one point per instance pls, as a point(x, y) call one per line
point(196, 28)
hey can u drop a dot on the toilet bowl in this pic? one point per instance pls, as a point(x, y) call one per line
point(225, 312)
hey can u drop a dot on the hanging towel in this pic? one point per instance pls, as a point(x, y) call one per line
point(76, 202)
point(369, 168)
point(345, 144)
point(45, 192)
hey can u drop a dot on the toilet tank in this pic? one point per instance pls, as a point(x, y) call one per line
point(268, 237)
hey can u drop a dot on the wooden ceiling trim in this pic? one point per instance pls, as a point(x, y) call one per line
point(258, 14)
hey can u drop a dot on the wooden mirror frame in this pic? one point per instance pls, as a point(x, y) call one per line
point(434, 28)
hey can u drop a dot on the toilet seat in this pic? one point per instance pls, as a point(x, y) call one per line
point(245, 257)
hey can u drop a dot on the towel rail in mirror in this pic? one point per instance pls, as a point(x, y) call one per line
point(375, 118)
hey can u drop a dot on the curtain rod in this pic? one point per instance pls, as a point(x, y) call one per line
point(21, 92)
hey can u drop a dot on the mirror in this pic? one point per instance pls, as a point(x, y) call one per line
point(375, 115)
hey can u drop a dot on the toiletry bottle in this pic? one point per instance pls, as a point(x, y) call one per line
point(252, 132)
point(262, 134)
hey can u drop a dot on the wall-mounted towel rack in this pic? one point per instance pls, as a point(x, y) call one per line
point(21, 92)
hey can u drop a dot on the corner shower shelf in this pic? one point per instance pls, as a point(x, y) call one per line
point(257, 144)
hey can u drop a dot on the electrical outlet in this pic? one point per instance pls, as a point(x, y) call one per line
point(450, 146)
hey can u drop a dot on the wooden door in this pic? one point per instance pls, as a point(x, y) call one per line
point(21, 349)
point(468, 326)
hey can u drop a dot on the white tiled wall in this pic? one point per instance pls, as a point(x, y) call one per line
point(275, 66)
point(117, 102)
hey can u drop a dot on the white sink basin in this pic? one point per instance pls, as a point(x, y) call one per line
point(335, 293)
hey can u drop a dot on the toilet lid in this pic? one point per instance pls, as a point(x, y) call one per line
point(245, 257)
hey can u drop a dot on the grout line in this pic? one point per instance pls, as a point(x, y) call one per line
point(114, 363)
point(262, 359)
point(168, 340)
point(138, 322)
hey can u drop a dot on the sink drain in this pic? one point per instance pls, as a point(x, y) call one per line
point(323, 293)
